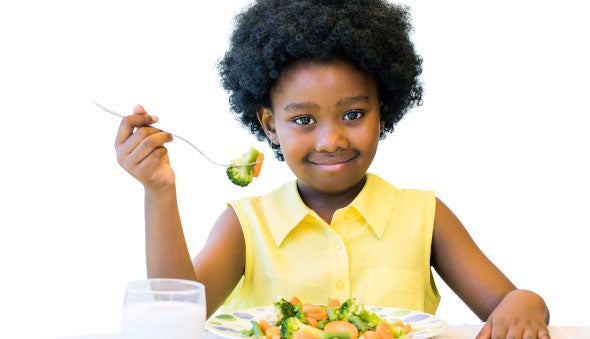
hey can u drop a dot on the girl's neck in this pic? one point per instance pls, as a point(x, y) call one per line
point(325, 204)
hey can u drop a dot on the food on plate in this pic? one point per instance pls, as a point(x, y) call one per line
point(242, 170)
point(342, 326)
point(347, 320)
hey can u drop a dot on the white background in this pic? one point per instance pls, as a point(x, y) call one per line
point(502, 138)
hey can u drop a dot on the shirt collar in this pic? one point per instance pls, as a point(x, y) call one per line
point(375, 203)
point(284, 209)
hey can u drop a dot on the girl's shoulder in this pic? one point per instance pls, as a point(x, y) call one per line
point(384, 187)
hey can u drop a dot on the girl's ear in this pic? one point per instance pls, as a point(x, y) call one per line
point(266, 119)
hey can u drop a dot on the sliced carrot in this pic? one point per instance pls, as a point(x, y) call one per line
point(384, 330)
point(397, 323)
point(311, 308)
point(370, 335)
point(295, 301)
point(271, 331)
point(316, 312)
point(332, 302)
point(342, 326)
point(312, 322)
point(264, 325)
point(407, 328)
point(258, 166)
point(307, 335)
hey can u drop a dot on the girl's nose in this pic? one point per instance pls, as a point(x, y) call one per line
point(330, 138)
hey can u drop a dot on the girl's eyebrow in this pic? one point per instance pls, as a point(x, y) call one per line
point(352, 100)
point(300, 105)
point(308, 104)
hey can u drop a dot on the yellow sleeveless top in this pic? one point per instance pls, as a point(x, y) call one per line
point(376, 250)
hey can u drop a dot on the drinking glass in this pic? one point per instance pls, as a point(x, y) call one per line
point(164, 308)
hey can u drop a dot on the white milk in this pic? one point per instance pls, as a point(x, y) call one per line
point(163, 319)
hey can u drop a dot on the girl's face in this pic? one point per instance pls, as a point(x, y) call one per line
point(325, 117)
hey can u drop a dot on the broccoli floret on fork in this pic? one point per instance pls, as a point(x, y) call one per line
point(242, 170)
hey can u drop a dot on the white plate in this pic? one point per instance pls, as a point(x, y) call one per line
point(231, 325)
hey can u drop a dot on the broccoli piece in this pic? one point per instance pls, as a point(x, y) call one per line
point(241, 174)
point(284, 309)
point(348, 309)
point(291, 326)
point(357, 314)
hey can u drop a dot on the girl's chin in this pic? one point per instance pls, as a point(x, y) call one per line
point(335, 182)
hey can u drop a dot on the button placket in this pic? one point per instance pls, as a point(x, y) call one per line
point(342, 274)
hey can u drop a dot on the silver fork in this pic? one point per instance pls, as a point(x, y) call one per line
point(104, 108)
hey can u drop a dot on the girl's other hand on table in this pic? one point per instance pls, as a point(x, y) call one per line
point(521, 314)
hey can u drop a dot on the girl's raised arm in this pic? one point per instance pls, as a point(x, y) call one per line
point(220, 264)
point(141, 152)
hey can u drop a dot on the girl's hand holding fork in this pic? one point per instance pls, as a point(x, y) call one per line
point(141, 152)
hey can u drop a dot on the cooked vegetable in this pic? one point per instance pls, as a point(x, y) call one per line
point(400, 329)
point(342, 326)
point(264, 325)
point(289, 327)
point(347, 320)
point(316, 312)
point(242, 170)
point(293, 328)
point(285, 309)
point(257, 330)
point(333, 302)
point(357, 314)
point(384, 331)
point(273, 332)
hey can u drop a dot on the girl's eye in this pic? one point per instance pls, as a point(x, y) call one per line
point(353, 115)
point(304, 120)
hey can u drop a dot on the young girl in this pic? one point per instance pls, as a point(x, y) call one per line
point(323, 82)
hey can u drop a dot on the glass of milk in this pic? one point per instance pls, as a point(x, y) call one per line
point(164, 308)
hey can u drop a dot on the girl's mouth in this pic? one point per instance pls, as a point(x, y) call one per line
point(336, 159)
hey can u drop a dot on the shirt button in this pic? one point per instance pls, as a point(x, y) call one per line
point(340, 285)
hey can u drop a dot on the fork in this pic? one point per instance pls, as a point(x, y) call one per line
point(104, 108)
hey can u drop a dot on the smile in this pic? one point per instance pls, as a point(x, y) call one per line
point(333, 159)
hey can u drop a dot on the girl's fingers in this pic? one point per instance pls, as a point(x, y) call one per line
point(127, 146)
point(539, 332)
point(139, 118)
point(144, 146)
point(150, 168)
point(544, 334)
point(512, 332)
point(140, 149)
point(485, 332)
point(136, 140)
point(138, 109)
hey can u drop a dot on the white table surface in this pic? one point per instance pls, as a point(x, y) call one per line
point(450, 332)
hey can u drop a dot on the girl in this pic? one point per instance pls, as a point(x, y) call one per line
point(323, 82)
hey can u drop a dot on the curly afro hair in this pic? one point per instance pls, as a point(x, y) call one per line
point(270, 34)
